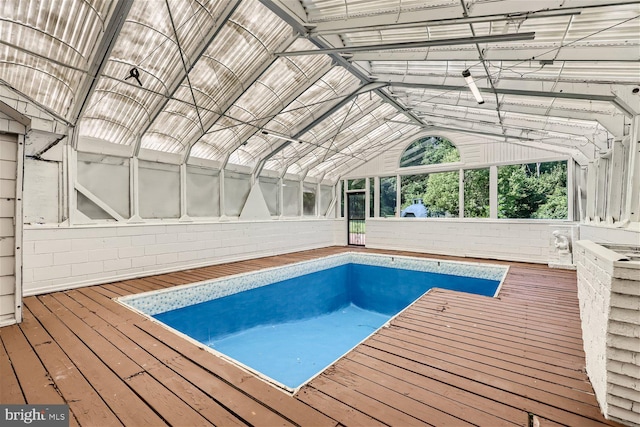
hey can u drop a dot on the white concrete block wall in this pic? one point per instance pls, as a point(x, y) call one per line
point(65, 258)
point(609, 294)
point(513, 240)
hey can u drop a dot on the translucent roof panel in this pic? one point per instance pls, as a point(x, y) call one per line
point(46, 49)
point(367, 147)
point(326, 129)
point(344, 138)
point(148, 43)
point(281, 83)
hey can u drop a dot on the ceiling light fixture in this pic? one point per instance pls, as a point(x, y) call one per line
point(283, 137)
point(472, 85)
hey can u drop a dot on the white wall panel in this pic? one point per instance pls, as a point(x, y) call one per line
point(159, 192)
point(474, 151)
point(65, 258)
point(8, 175)
point(41, 192)
point(513, 240)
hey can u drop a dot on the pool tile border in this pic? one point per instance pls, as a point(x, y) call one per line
point(155, 302)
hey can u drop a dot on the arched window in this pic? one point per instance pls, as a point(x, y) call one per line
point(429, 150)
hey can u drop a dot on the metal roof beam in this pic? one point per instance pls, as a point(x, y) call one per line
point(612, 124)
point(540, 122)
point(258, 124)
point(447, 15)
point(174, 85)
point(331, 152)
point(302, 27)
point(208, 124)
point(576, 53)
point(99, 58)
point(496, 38)
point(311, 146)
point(344, 166)
point(613, 93)
point(330, 109)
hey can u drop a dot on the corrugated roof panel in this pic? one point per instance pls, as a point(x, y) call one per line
point(325, 10)
point(39, 39)
point(365, 148)
point(239, 49)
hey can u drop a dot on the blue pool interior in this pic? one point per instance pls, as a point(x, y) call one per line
point(294, 328)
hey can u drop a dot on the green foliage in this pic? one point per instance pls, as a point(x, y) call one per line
point(441, 197)
point(476, 193)
point(387, 196)
point(429, 151)
point(533, 191)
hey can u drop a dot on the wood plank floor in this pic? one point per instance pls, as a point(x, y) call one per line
point(451, 359)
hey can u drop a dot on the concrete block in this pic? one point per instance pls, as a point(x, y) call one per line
point(48, 273)
point(61, 258)
point(118, 264)
point(103, 254)
point(117, 242)
point(166, 238)
point(52, 246)
point(624, 392)
point(631, 302)
point(87, 244)
point(621, 368)
point(624, 381)
point(37, 260)
point(624, 315)
point(131, 252)
point(87, 268)
point(624, 329)
point(624, 415)
point(144, 261)
point(169, 258)
point(143, 240)
point(623, 355)
point(624, 286)
point(619, 402)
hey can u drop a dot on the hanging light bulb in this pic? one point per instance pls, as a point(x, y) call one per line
point(472, 85)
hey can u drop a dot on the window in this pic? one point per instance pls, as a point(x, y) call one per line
point(387, 196)
point(309, 199)
point(432, 195)
point(429, 151)
point(476, 193)
point(291, 198)
point(271, 192)
point(356, 184)
point(371, 196)
point(535, 190)
point(326, 196)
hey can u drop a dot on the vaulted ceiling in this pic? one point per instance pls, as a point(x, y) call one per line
point(317, 87)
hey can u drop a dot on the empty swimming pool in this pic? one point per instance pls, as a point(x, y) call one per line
point(290, 323)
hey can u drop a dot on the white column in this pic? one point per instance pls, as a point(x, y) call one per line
point(376, 197)
point(398, 198)
point(493, 192)
point(632, 202)
point(367, 198)
point(461, 193)
point(134, 190)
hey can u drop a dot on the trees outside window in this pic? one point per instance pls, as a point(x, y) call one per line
point(437, 191)
point(430, 150)
point(388, 196)
point(534, 190)
point(476, 193)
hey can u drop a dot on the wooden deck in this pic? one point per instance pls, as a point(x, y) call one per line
point(451, 359)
